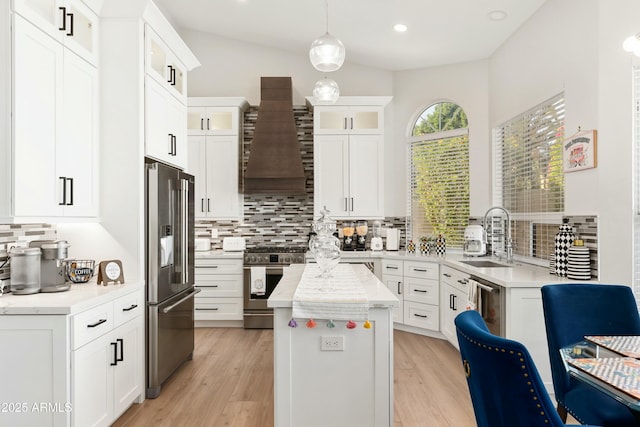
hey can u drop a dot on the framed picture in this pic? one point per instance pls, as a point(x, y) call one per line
point(579, 151)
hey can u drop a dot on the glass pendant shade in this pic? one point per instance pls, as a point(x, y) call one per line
point(327, 53)
point(632, 44)
point(326, 91)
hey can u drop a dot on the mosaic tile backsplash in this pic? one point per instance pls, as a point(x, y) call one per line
point(11, 233)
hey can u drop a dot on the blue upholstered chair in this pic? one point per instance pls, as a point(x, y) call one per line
point(505, 387)
point(572, 311)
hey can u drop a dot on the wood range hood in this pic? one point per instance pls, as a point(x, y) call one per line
point(275, 161)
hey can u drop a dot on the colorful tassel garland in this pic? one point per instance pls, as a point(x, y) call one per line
point(367, 324)
point(293, 323)
point(330, 324)
point(311, 323)
point(351, 324)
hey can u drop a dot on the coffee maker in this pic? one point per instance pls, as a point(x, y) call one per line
point(53, 277)
point(348, 238)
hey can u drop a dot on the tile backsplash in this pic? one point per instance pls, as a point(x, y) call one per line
point(12, 233)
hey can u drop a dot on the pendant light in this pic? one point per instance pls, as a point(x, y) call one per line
point(326, 91)
point(327, 52)
point(632, 44)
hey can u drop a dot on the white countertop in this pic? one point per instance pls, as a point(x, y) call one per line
point(80, 297)
point(219, 254)
point(377, 293)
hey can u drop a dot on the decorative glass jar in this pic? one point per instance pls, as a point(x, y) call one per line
point(325, 247)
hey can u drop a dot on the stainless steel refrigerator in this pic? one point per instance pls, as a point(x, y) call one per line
point(169, 262)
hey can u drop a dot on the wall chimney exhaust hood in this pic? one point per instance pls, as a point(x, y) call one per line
point(275, 161)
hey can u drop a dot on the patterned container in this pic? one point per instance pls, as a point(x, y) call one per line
point(563, 241)
point(579, 262)
point(441, 246)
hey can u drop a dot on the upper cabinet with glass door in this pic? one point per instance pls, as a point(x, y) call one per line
point(212, 120)
point(69, 21)
point(363, 115)
point(164, 66)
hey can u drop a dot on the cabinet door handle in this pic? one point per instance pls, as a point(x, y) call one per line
point(170, 144)
point(345, 123)
point(399, 288)
point(131, 307)
point(455, 306)
point(98, 323)
point(208, 204)
point(64, 190)
point(202, 123)
point(115, 353)
point(451, 301)
point(70, 33)
point(424, 316)
point(346, 205)
point(175, 145)
point(208, 124)
point(352, 204)
point(64, 18)
point(207, 309)
point(70, 192)
point(121, 358)
point(170, 73)
point(351, 123)
point(202, 205)
point(172, 78)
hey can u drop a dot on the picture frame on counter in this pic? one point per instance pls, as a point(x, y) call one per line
point(579, 151)
point(110, 272)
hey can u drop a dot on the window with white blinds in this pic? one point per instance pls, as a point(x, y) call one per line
point(439, 186)
point(636, 181)
point(529, 178)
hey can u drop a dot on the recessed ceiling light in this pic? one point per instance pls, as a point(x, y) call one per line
point(497, 15)
point(400, 28)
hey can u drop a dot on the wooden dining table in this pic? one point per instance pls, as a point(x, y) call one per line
point(611, 364)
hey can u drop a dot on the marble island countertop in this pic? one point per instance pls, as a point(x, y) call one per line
point(79, 297)
point(377, 293)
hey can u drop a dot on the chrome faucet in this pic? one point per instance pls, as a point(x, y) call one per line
point(509, 243)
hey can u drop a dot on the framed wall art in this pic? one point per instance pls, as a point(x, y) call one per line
point(579, 151)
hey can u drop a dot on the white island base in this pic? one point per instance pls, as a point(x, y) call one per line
point(350, 384)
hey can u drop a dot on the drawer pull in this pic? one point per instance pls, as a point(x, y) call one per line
point(131, 307)
point(421, 270)
point(424, 291)
point(207, 309)
point(391, 267)
point(424, 316)
point(446, 275)
point(98, 323)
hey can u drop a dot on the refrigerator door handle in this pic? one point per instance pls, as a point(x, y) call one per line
point(185, 230)
point(172, 306)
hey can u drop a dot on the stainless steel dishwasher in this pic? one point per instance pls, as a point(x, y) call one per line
point(492, 307)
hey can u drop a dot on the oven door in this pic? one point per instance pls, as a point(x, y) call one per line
point(255, 301)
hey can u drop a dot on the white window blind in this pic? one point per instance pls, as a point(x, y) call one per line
point(439, 186)
point(529, 178)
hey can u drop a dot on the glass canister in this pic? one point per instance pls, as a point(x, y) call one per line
point(325, 247)
point(25, 270)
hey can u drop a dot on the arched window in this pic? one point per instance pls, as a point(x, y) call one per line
point(439, 178)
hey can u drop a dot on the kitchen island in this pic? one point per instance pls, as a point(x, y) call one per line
point(329, 371)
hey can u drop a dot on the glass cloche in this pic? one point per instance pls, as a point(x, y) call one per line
point(325, 247)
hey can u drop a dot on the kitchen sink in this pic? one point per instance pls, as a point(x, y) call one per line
point(485, 264)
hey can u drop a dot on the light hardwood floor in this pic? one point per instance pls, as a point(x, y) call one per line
point(229, 382)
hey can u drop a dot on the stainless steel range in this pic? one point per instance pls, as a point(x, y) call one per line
point(263, 268)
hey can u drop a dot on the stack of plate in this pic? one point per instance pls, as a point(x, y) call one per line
point(552, 263)
point(578, 262)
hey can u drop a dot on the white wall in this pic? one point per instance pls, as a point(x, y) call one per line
point(575, 46)
point(465, 84)
point(233, 68)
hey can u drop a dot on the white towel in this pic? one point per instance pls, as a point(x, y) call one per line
point(258, 280)
point(474, 296)
point(341, 297)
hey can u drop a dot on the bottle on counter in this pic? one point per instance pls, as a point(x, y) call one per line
point(563, 241)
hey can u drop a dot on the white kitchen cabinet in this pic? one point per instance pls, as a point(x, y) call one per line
point(213, 160)
point(106, 371)
point(393, 279)
point(348, 175)
point(348, 120)
point(164, 66)
point(54, 128)
point(165, 126)
point(210, 120)
point(70, 22)
point(60, 370)
point(421, 295)
point(453, 300)
point(349, 157)
point(220, 299)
